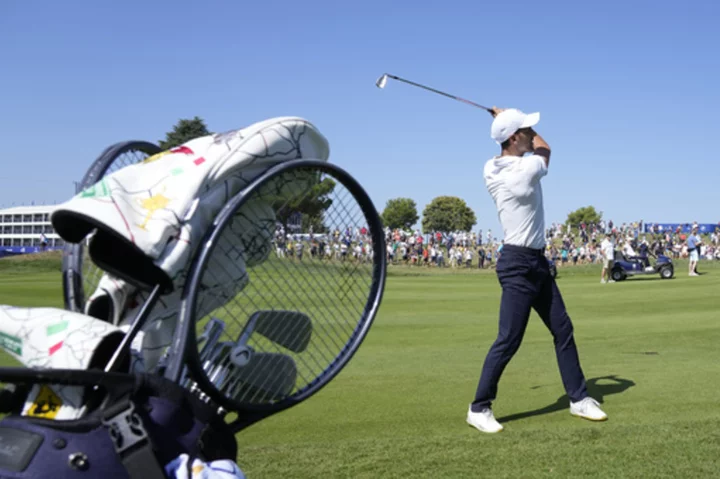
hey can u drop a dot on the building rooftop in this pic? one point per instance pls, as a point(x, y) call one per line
point(28, 210)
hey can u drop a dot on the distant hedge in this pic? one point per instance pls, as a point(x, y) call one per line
point(50, 261)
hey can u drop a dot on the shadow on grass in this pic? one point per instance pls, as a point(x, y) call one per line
point(638, 278)
point(596, 390)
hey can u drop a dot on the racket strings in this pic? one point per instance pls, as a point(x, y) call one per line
point(330, 289)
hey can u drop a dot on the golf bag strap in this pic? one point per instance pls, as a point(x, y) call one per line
point(142, 464)
point(132, 442)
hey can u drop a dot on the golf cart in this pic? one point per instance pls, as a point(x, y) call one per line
point(634, 266)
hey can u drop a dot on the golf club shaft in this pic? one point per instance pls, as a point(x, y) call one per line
point(123, 348)
point(441, 93)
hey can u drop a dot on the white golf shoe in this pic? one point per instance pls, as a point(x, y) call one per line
point(588, 408)
point(483, 421)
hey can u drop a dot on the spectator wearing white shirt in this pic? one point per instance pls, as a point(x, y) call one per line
point(299, 246)
point(608, 251)
point(693, 244)
point(628, 250)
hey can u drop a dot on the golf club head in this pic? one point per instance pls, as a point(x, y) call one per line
point(265, 377)
point(382, 81)
point(238, 371)
point(289, 329)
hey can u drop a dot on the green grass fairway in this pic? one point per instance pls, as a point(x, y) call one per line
point(650, 349)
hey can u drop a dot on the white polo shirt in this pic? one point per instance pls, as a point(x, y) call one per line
point(514, 184)
point(608, 248)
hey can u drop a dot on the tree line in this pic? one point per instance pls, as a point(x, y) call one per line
point(450, 213)
point(443, 213)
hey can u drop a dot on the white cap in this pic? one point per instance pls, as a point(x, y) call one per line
point(509, 121)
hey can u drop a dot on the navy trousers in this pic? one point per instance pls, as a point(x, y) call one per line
point(526, 284)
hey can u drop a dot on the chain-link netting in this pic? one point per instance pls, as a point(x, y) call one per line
point(286, 287)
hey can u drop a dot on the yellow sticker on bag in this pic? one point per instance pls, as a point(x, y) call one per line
point(47, 404)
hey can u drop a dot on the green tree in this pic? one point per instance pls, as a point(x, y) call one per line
point(311, 206)
point(448, 213)
point(400, 213)
point(183, 131)
point(586, 214)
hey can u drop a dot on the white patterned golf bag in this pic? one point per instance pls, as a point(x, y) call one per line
point(69, 417)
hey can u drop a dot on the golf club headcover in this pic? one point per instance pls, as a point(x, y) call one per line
point(110, 299)
point(117, 301)
point(55, 338)
point(225, 276)
point(149, 217)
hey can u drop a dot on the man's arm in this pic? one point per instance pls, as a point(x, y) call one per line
point(541, 148)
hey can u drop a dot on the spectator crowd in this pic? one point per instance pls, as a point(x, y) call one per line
point(567, 245)
point(581, 245)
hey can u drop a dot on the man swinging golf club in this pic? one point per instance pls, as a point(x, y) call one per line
point(513, 181)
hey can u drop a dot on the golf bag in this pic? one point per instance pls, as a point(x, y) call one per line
point(121, 383)
point(147, 424)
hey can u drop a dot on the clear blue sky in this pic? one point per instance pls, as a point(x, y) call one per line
point(628, 92)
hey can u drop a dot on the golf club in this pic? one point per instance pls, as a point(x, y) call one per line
point(289, 329)
point(208, 339)
point(382, 81)
point(234, 366)
point(239, 369)
point(266, 376)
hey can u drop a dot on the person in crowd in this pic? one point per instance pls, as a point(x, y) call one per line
point(607, 246)
point(693, 247)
